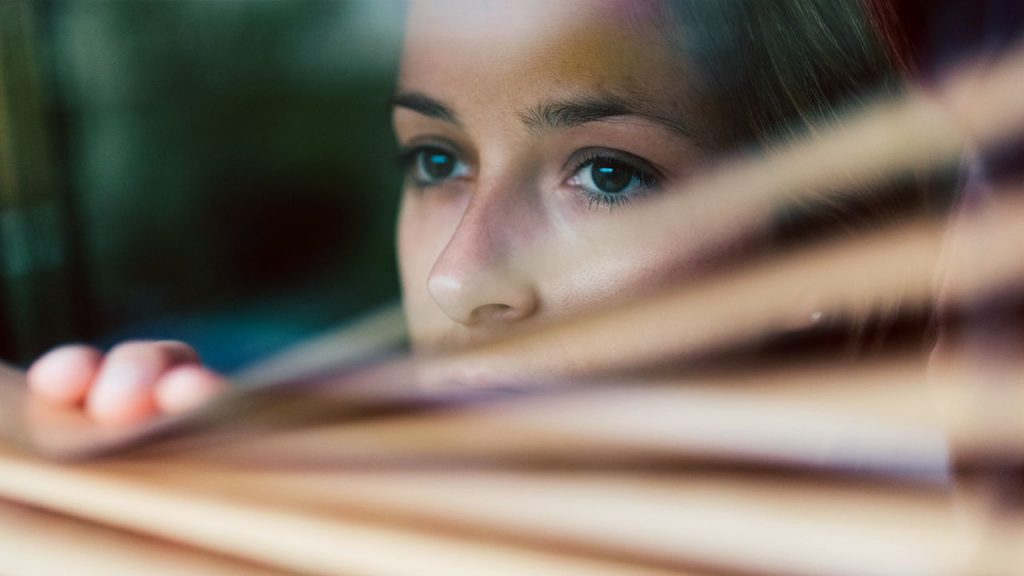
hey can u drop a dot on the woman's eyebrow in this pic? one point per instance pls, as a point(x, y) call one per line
point(419, 102)
point(565, 114)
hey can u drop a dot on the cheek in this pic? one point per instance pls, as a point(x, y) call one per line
point(608, 271)
point(601, 282)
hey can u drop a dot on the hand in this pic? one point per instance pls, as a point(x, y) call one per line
point(133, 382)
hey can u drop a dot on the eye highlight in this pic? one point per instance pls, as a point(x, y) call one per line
point(611, 180)
point(430, 164)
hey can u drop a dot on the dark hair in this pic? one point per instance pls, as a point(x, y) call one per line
point(767, 69)
point(771, 70)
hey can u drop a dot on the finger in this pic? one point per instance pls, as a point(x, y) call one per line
point(186, 387)
point(64, 375)
point(123, 392)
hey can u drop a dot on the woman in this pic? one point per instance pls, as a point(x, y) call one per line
point(527, 130)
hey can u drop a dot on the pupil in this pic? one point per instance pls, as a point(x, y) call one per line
point(438, 165)
point(610, 178)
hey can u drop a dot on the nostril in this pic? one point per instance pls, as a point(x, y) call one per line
point(494, 313)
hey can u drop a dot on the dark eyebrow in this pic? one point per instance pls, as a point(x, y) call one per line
point(419, 102)
point(565, 114)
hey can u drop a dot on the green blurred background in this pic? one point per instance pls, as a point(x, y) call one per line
point(217, 171)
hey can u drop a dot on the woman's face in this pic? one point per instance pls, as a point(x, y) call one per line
point(527, 128)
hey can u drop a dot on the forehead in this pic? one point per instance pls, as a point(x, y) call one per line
point(466, 51)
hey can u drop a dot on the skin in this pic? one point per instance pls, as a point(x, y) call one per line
point(549, 94)
point(466, 243)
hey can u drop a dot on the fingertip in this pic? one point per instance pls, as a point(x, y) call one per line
point(187, 387)
point(121, 396)
point(123, 389)
point(64, 375)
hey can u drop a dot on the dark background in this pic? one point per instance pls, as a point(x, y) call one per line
point(217, 171)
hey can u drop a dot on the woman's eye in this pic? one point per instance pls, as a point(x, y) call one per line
point(611, 181)
point(431, 165)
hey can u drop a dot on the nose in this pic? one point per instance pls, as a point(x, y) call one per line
point(475, 280)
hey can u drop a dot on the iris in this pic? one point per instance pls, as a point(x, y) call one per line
point(436, 165)
point(431, 165)
point(610, 178)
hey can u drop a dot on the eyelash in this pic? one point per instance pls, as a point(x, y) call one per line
point(647, 178)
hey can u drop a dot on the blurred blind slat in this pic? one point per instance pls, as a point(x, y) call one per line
point(34, 283)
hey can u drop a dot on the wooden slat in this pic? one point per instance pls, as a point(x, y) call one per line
point(38, 543)
point(461, 521)
point(282, 537)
